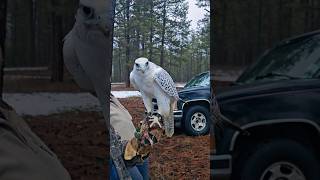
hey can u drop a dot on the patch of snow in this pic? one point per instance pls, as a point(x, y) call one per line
point(180, 84)
point(35, 104)
point(49, 103)
point(8, 69)
point(126, 94)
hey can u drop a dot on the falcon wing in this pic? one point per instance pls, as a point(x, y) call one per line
point(166, 83)
point(91, 49)
point(132, 81)
point(73, 65)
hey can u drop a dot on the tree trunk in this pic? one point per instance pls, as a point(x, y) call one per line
point(259, 26)
point(57, 64)
point(151, 32)
point(306, 16)
point(3, 25)
point(1, 71)
point(224, 51)
point(120, 65)
point(163, 32)
point(312, 15)
point(280, 20)
point(138, 30)
point(143, 45)
point(179, 66)
point(33, 39)
point(137, 43)
point(210, 63)
point(127, 36)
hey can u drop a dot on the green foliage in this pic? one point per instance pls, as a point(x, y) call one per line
point(159, 27)
point(243, 30)
point(30, 30)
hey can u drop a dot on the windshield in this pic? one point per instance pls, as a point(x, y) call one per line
point(300, 59)
point(200, 80)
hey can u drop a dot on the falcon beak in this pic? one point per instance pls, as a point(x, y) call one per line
point(104, 30)
point(141, 70)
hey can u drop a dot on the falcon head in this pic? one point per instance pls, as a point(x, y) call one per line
point(141, 65)
point(94, 15)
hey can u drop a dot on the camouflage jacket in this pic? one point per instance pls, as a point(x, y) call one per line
point(117, 148)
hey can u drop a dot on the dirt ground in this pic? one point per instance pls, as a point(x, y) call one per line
point(179, 157)
point(78, 138)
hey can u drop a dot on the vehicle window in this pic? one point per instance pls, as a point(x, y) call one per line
point(298, 59)
point(199, 81)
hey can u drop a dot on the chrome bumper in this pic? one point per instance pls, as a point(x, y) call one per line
point(221, 166)
point(177, 117)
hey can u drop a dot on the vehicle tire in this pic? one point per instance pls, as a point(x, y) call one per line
point(196, 121)
point(281, 159)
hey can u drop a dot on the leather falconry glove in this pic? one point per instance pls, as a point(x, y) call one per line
point(139, 147)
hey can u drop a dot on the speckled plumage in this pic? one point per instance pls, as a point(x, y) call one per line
point(154, 82)
point(165, 81)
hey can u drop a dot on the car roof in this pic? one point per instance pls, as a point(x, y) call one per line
point(298, 37)
point(281, 43)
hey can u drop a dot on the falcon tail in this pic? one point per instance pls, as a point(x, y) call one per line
point(169, 121)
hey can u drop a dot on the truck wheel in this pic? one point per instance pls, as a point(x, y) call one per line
point(197, 121)
point(281, 160)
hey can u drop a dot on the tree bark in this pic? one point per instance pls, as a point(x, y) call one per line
point(137, 43)
point(151, 32)
point(3, 25)
point(127, 36)
point(32, 31)
point(120, 65)
point(163, 32)
point(57, 64)
point(259, 26)
point(1, 71)
point(143, 45)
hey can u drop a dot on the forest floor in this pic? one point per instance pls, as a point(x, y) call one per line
point(78, 138)
point(179, 157)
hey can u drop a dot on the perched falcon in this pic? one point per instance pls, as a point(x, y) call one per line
point(154, 82)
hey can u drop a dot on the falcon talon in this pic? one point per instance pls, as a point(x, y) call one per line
point(148, 115)
point(155, 121)
point(148, 118)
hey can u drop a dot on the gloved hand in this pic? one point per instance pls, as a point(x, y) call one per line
point(139, 148)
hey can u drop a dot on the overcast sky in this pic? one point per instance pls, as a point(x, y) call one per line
point(195, 13)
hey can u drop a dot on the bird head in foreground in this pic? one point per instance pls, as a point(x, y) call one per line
point(88, 46)
point(141, 65)
point(93, 14)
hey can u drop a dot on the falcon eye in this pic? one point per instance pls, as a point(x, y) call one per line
point(147, 63)
point(87, 11)
point(137, 65)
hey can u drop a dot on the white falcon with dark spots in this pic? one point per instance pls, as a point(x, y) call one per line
point(154, 82)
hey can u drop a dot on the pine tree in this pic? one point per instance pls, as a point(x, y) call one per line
point(3, 25)
point(158, 30)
